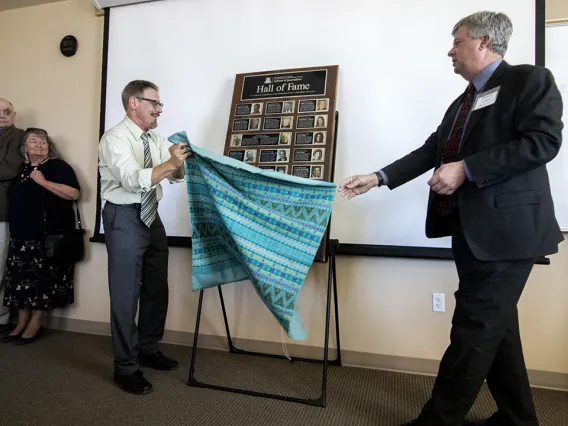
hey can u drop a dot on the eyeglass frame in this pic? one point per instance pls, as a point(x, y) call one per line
point(154, 102)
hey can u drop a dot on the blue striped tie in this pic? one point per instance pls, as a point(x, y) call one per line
point(149, 208)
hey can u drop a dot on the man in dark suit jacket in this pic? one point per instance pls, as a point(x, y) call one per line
point(11, 163)
point(490, 192)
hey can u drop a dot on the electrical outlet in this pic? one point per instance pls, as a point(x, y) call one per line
point(438, 302)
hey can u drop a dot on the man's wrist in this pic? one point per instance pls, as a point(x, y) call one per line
point(172, 166)
point(379, 179)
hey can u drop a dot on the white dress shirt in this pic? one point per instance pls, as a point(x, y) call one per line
point(121, 163)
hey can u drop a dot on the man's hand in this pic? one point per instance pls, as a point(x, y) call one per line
point(179, 152)
point(357, 185)
point(448, 178)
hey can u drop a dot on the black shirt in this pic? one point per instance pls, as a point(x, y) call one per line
point(28, 201)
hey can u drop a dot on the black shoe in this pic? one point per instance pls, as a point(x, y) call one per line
point(9, 339)
point(158, 361)
point(412, 423)
point(134, 383)
point(28, 340)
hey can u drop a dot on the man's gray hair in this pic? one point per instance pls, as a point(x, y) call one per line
point(497, 26)
point(135, 88)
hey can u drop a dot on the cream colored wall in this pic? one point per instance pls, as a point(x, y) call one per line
point(556, 9)
point(385, 304)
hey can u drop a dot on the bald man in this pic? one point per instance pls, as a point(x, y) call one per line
point(11, 163)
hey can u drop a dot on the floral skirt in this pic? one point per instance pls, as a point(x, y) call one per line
point(34, 282)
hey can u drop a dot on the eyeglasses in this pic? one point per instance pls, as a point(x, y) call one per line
point(155, 103)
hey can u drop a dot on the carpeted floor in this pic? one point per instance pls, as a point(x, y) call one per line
point(66, 379)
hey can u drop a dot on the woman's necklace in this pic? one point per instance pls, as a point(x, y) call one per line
point(25, 176)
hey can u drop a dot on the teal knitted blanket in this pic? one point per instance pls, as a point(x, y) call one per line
point(257, 225)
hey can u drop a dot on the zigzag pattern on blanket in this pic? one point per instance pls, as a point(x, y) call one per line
point(256, 225)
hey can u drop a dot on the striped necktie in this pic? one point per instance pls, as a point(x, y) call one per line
point(149, 208)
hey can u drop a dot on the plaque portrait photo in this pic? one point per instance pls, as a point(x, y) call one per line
point(321, 121)
point(236, 140)
point(256, 109)
point(283, 155)
point(322, 105)
point(287, 123)
point(319, 138)
point(282, 169)
point(254, 124)
point(317, 172)
point(288, 107)
point(317, 154)
point(285, 139)
point(250, 155)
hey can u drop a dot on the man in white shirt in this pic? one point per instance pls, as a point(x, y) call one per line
point(133, 160)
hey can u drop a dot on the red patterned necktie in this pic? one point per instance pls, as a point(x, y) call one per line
point(446, 204)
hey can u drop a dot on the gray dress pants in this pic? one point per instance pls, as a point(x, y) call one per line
point(138, 275)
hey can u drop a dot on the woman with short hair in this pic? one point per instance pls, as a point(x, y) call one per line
point(40, 202)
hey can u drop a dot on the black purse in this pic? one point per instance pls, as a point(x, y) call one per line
point(66, 246)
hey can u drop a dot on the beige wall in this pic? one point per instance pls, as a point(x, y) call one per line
point(385, 304)
point(556, 9)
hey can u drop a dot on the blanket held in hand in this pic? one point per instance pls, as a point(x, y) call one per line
point(257, 225)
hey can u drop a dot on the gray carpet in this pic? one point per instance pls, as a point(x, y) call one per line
point(66, 379)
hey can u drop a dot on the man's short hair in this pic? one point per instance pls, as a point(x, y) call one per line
point(497, 26)
point(135, 88)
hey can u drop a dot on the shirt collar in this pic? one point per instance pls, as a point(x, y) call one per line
point(485, 74)
point(133, 127)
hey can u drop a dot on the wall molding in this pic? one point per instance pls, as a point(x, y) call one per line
point(545, 379)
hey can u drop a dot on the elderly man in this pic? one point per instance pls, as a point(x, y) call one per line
point(133, 160)
point(11, 162)
point(490, 192)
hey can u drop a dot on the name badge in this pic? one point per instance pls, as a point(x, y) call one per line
point(486, 98)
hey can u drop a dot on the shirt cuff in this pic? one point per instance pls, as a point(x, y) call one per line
point(145, 179)
point(466, 170)
point(172, 179)
point(385, 178)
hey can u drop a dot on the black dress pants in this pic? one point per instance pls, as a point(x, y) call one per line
point(485, 343)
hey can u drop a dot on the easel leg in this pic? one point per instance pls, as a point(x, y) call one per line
point(191, 379)
point(229, 339)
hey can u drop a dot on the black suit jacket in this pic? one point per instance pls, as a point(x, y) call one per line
point(506, 211)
